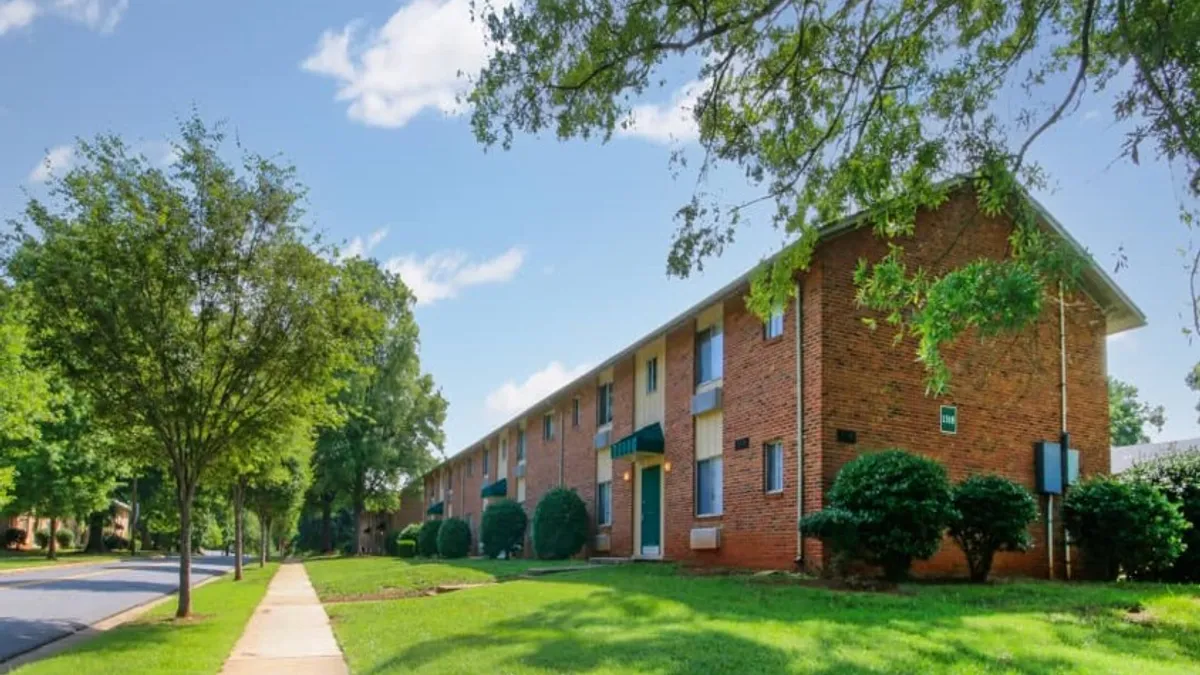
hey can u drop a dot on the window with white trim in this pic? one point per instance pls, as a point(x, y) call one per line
point(710, 350)
point(547, 426)
point(652, 375)
point(708, 487)
point(773, 326)
point(603, 487)
point(773, 466)
point(520, 446)
point(604, 401)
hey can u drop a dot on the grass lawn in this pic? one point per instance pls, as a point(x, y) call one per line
point(349, 578)
point(18, 559)
point(157, 644)
point(653, 619)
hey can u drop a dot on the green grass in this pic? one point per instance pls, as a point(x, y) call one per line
point(644, 619)
point(344, 578)
point(157, 644)
point(20, 559)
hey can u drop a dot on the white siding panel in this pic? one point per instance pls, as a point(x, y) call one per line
point(650, 407)
point(603, 466)
point(709, 428)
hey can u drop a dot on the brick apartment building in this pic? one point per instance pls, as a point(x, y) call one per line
point(706, 439)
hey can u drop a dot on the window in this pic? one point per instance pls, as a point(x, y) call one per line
point(709, 354)
point(575, 412)
point(604, 503)
point(773, 467)
point(708, 487)
point(486, 456)
point(604, 395)
point(773, 327)
point(548, 426)
point(520, 446)
point(652, 375)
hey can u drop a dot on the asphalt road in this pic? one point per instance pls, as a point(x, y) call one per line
point(43, 605)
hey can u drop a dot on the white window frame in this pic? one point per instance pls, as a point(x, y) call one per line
point(769, 448)
point(719, 495)
point(773, 326)
point(548, 426)
point(604, 510)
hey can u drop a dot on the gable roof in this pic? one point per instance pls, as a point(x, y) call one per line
point(1121, 314)
point(1125, 457)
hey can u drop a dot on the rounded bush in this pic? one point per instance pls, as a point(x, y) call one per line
point(406, 548)
point(14, 537)
point(991, 514)
point(454, 538)
point(391, 542)
point(838, 528)
point(560, 525)
point(65, 538)
point(1178, 478)
point(411, 532)
point(502, 529)
point(41, 538)
point(902, 504)
point(1124, 527)
point(428, 538)
point(115, 542)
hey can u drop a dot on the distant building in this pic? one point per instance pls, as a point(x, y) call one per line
point(373, 526)
point(1126, 456)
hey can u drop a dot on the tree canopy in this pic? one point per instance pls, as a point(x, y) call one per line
point(1128, 416)
point(828, 108)
point(187, 301)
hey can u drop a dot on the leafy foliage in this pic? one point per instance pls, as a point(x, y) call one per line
point(899, 503)
point(831, 107)
point(837, 528)
point(991, 514)
point(25, 396)
point(391, 542)
point(406, 548)
point(427, 543)
point(65, 538)
point(1128, 417)
point(8, 478)
point(411, 532)
point(187, 302)
point(1124, 527)
point(41, 538)
point(560, 524)
point(1177, 477)
point(454, 538)
point(14, 537)
point(502, 528)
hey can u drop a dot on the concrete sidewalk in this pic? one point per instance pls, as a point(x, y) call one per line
point(289, 632)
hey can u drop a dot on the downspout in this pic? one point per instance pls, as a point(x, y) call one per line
point(1065, 437)
point(799, 424)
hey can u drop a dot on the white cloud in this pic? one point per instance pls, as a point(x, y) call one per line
point(1091, 114)
point(669, 122)
point(511, 398)
point(56, 161)
point(443, 274)
point(359, 247)
point(16, 14)
point(414, 62)
point(98, 15)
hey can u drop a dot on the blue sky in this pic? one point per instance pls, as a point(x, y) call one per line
point(530, 264)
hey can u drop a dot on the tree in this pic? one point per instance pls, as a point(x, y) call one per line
point(275, 496)
point(392, 413)
point(67, 468)
point(833, 107)
point(187, 301)
point(1128, 416)
point(25, 396)
point(992, 514)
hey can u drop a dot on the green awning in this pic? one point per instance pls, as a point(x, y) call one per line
point(647, 439)
point(436, 509)
point(497, 489)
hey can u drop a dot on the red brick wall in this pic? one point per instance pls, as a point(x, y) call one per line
point(1006, 389)
point(680, 451)
point(622, 426)
point(579, 469)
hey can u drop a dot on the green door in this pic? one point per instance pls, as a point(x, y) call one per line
point(651, 511)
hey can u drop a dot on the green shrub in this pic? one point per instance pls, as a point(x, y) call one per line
point(991, 514)
point(115, 542)
point(411, 532)
point(41, 538)
point(1124, 526)
point(560, 525)
point(406, 548)
point(391, 542)
point(454, 538)
point(1178, 478)
point(14, 537)
point(837, 528)
point(65, 538)
point(901, 503)
point(502, 529)
point(428, 538)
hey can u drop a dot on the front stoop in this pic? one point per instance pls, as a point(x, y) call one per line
point(289, 632)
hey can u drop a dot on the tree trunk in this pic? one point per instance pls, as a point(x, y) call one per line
point(264, 529)
point(133, 519)
point(95, 539)
point(326, 525)
point(184, 495)
point(239, 528)
point(52, 545)
point(359, 506)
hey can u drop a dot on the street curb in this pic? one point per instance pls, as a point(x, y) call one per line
point(86, 563)
point(84, 634)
